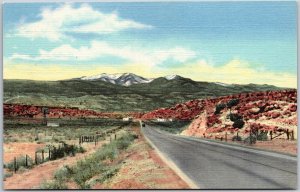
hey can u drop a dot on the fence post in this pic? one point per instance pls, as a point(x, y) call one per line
point(79, 140)
point(115, 136)
point(271, 135)
point(49, 154)
point(43, 155)
point(26, 161)
point(226, 136)
point(35, 158)
point(287, 134)
point(292, 137)
point(250, 136)
point(15, 164)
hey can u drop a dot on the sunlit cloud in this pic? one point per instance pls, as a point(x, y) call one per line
point(55, 23)
point(99, 49)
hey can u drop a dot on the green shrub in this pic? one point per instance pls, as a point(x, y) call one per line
point(250, 140)
point(85, 170)
point(236, 138)
point(21, 169)
point(125, 141)
point(6, 175)
point(63, 174)
point(109, 173)
point(232, 102)
point(106, 174)
point(53, 185)
point(107, 152)
point(21, 162)
point(234, 117)
point(262, 136)
point(91, 166)
point(60, 152)
point(239, 123)
point(219, 108)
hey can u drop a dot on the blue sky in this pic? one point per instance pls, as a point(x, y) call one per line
point(153, 39)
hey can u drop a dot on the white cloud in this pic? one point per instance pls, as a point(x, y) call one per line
point(55, 23)
point(98, 49)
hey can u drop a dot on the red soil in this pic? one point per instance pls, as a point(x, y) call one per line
point(17, 110)
point(12, 150)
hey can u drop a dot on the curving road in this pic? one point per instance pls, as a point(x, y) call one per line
point(212, 165)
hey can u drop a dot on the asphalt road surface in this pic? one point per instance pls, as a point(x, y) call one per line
point(213, 165)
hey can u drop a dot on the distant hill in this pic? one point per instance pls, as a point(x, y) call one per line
point(97, 94)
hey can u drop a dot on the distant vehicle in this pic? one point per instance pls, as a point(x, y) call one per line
point(161, 120)
point(127, 119)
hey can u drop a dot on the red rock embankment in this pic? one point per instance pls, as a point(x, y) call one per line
point(272, 110)
point(17, 110)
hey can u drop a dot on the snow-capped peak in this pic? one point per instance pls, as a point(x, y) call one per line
point(171, 77)
point(103, 75)
point(223, 84)
point(125, 79)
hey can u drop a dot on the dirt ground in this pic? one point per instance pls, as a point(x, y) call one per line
point(279, 145)
point(32, 178)
point(143, 169)
point(16, 149)
point(276, 145)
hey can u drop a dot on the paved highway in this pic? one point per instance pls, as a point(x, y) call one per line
point(212, 165)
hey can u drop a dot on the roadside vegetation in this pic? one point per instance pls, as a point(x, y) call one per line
point(173, 127)
point(96, 168)
point(43, 134)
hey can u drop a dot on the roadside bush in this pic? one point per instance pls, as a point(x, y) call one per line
point(6, 175)
point(21, 169)
point(250, 140)
point(65, 150)
point(262, 136)
point(63, 174)
point(125, 141)
point(53, 185)
point(232, 102)
point(235, 117)
point(91, 166)
point(85, 170)
point(108, 152)
point(174, 127)
point(236, 138)
point(21, 162)
point(239, 123)
point(108, 173)
point(219, 108)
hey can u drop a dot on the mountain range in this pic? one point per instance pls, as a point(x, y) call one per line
point(125, 79)
point(119, 92)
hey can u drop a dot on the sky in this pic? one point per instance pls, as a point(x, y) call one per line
point(229, 42)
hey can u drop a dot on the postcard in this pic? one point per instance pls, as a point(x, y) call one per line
point(150, 95)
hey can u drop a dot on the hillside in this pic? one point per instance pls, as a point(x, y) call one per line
point(274, 111)
point(104, 96)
